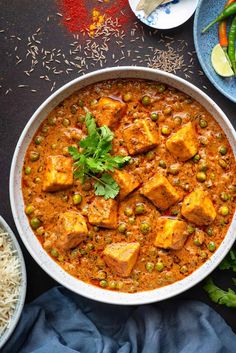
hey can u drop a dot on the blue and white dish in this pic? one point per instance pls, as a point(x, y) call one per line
point(204, 43)
point(166, 16)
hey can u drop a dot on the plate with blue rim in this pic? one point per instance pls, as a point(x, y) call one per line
point(166, 16)
point(206, 12)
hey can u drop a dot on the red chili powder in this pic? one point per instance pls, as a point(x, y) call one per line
point(77, 14)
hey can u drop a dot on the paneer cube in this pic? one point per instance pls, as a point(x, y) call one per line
point(58, 173)
point(183, 144)
point(170, 233)
point(103, 213)
point(198, 208)
point(126, 181)
point(72, 230)
point(109, 111)
point(140, 136)
point(121, 257)
point(159, 190)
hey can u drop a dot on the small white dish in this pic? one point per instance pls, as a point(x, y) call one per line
point(166, 16)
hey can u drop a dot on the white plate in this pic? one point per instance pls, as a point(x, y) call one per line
point(17, 202)
point(166, 16)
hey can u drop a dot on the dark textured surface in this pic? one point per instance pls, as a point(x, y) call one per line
point(22, 18)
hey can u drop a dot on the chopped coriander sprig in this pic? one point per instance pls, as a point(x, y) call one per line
point(218, 295)
point(95, 161)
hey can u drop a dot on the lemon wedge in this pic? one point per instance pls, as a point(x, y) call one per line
point(220, 62)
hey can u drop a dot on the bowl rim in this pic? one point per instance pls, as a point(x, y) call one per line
point(88, 290)
point(200, 58)
point(23, 285)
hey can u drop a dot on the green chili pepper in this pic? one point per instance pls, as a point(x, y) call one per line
point(228, 11)
point(231, 46)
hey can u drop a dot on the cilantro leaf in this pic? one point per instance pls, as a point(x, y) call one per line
point(220, 296)
point(95, 158)
point(106, 187)
point(229, 262)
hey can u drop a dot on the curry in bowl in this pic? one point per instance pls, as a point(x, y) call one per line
point(129, 185)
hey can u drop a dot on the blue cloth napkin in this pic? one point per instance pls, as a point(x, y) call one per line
point(60, 321)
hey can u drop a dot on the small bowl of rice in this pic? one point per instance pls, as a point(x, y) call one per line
point(12, 282)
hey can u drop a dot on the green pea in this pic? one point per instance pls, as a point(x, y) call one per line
point(82, 252)
point(223, 164)
point(77, 199)
point(203, 167)
point(190, 229)
point(53, 146)
point(34, 156)
point(93, 102)
point(149, 266)
point(80, 103)
point(201, 177)
point(223, 150)
point(177, 120)
point(162, 164)
point(224, 210)
point(40, 231)
point(122, 228)
point(196, 241)
point(211, 246)
point(96, 229)
point(52, 120)
point(29, 209)
point(154, 116)
point(66, 122)
point(174, 169)
point(167, 111)
point(54, 252)
point(196, 158)
point(145, 227)
point(103, 283)
point(101, 275)
point(81, 119)
point(203, 123)
point(35, 223)
point(90, 246)
point(183, 269)
point(165, 130)
point(45, 129)
point(65, 151)
point(203, 255)
point(139, 208)
point(27, 170)
point(150, 155)
point(131, 220)
point(87, 186)
point(127, 97)
point(224, 196)
point(73, 108)
point(112, 284)
point(146, 100)
point(38, 140)
point(209, 231)
point(159, 266)
point(128, 211)
point(161, 88)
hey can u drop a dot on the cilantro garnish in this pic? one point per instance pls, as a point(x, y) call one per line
point(218, 295)
point(94, 160)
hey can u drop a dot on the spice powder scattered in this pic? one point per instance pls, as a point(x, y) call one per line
point(81, 15)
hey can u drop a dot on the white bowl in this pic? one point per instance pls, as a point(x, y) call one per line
point(22, 290)
point(17, 203)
